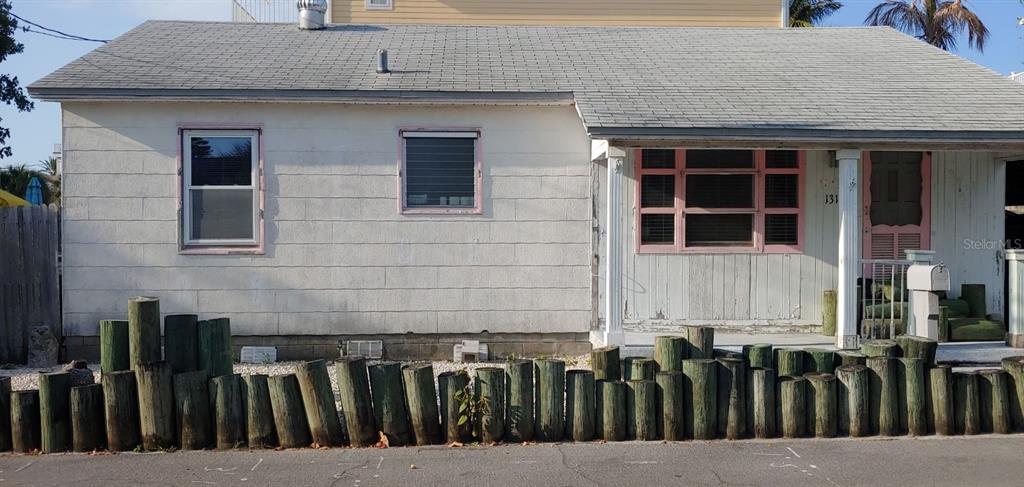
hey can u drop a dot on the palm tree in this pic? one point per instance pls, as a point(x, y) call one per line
point(807, 13)
point(937, 22)
point(15, 179)
point(49, 171)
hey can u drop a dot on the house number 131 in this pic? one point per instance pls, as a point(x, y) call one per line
point(831, 199)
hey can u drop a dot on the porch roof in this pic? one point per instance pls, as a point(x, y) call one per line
point(636, 83)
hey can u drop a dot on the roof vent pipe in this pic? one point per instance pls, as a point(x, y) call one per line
point(382, 61)
point(312, 14)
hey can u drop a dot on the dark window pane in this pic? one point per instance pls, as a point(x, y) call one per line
point(720, 191)
point(657, 229)
point(781, 159)
point(720, 230)
point(781, 191)
point(658, 159)
point(657, 191)
point(440, 172)
point(896, 188)
point(780, 229)
point(221, 161)
point(222, 214)
point(719, 159)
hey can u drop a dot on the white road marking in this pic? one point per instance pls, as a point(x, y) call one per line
point(768, 454)
point(795, 454)
point(29, 464)
point(641, 462)
point(253, 469)
point(380, 462)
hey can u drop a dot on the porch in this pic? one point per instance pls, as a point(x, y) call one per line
point(959, 200)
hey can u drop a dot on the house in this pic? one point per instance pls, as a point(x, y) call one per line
point(540, 187)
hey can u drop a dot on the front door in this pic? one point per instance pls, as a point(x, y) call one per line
point(897, 203)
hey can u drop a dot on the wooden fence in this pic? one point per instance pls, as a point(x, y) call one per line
point(29, 279)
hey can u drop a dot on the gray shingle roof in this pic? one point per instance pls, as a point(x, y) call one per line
point(832, 80)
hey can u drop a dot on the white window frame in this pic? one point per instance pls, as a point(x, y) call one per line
point(187, 187)
point(389, 5)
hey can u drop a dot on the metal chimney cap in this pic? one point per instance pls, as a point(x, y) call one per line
point(312, 14)
point(382, 61)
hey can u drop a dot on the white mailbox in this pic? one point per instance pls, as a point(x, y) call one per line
point(928, 278)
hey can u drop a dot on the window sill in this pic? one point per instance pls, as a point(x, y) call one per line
point(442, 211)
point(768, 250)
point(212, 250)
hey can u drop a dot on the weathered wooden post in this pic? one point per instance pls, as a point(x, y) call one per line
point(490, 390)
point(885, 418)
point(792, 406)
point(181, 342)
point(450, 385)
point(519, 425)
point(25, 428)
point(421, 397)
point(613, 396)
point(701, 342)
point(670, 391)
point(912, 391)
point(121, 409)
point(156, 405)
point(853, 391)
point(114, 354)
point(700, 397)
point(318, 400)
point(828, 313)
point(143, 330)
point(763, 404)
point(846, 357)
point(5, 414)
point(1014, 367)
point(289, 412)
point(941, 399)
point(974, 294)
point(192, 408)
point(994, 400)
point(732, 401)
point(87, 432)
point(789, 362)
point(550, 393)
point(214, 348)
point(580, 405)
point(911, 346)
point(641, 410)
point(943, 324)
point(354, 391)
point(966, 404)
point(54, 413)
point(759, 355)
point(880, 348)
point(819, 360)
point(605, 363)
point(389, 409)
point(258, 411)
point(669, 351)
point(228, 398)
point(639, 368)
point(822, 419)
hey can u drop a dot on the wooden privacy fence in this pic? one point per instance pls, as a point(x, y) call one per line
point(29, 287)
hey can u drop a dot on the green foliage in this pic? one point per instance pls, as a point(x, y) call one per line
point(15, 180)
point(49, 173)
point(937, 22)
point(808, 13)
point(11, 92)
point(471, 409)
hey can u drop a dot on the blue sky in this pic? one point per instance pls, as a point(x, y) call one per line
point(34, 134)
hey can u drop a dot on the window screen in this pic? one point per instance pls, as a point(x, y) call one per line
point(220, 187)
point(657, 229)
point(719, 159)
point(780, 229)
point(720, 230)
point(781, 191)
point(440, 172)
point(659, 159)
point(658, 191)
point(719, 191)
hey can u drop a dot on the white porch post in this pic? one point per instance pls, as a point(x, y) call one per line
point(849, 248)
point(916, 257)
point(613, 308)
point(1015, 311)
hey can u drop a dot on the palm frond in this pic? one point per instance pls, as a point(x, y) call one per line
point(808, 13)
point(937, 22)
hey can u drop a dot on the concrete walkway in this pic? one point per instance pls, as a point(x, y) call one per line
point(984, 353)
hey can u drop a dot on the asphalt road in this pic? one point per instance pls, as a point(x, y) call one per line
point(984, 461)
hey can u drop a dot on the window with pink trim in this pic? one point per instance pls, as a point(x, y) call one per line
point(221, 189)
point(440, 172)
point(718, 200)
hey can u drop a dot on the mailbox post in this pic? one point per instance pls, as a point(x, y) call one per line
point(923, 281)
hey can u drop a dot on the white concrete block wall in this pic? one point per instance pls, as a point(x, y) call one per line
point(339, 258)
